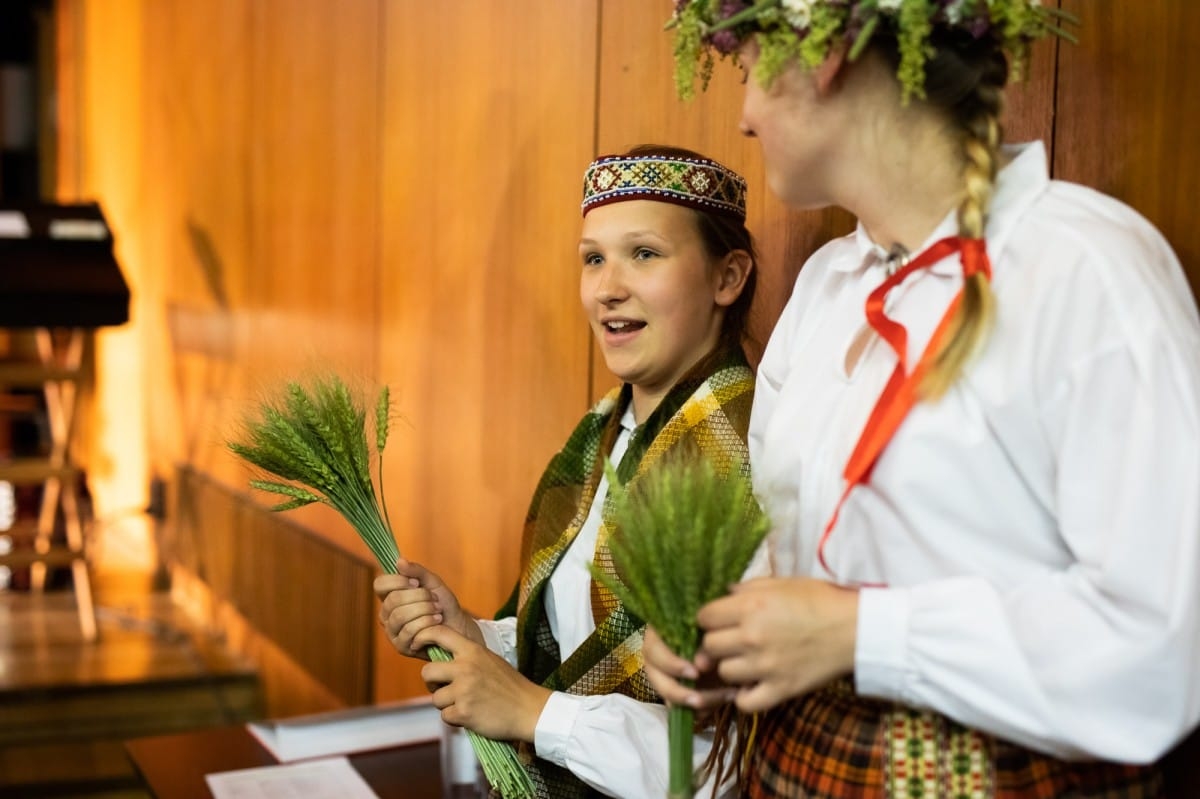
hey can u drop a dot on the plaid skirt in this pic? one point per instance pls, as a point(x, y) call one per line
point(834, 744)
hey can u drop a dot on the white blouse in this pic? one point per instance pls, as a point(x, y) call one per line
point(612, 742)
point(1037, 530)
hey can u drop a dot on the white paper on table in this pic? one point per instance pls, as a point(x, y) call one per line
point(13, 225)
point(92, 229)
point(331, 778)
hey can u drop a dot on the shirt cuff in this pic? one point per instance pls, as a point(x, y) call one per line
point(553, 729)
point(881, 643)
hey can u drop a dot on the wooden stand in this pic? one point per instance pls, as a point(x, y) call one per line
point(56, 373)
point(59, 278)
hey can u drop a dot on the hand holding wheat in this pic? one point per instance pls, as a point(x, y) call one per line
point(313, 443)
point(683, 534)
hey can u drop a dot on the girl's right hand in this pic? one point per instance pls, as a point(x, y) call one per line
point(414, 599)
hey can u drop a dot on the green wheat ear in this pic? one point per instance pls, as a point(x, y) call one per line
point(683, 533)
point(314, 437)
point(382, 413)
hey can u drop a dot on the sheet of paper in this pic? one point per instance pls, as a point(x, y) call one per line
point(13, 225)
point(78, 229)
point(332, 778)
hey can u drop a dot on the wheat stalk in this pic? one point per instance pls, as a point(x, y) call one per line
point(313, 441)
point(681, 536)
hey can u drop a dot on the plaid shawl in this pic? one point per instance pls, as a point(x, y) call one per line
point(708, 412)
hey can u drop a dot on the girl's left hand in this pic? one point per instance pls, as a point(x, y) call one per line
point(667, 672)
point(479, 690)
point(778, 638)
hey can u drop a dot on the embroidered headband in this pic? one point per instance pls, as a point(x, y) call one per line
point(806, 30)
point(693, 182)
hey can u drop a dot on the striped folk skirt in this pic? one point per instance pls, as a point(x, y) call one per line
point(834, 744)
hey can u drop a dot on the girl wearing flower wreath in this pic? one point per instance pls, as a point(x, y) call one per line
point(667, 277)
point(976, 431)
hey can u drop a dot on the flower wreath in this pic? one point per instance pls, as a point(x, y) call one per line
point(806, 29)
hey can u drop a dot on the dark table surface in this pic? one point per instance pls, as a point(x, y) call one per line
point(173, 766)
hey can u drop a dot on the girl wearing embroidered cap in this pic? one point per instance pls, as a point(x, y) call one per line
point(667, 276)
point(981, 467)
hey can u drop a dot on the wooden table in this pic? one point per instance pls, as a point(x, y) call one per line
point(173, 766)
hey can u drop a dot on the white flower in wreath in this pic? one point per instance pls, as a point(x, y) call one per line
point(954, 12)
point(798, 13)
point(890, 5)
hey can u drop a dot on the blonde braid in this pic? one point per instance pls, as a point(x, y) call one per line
point(973, 320)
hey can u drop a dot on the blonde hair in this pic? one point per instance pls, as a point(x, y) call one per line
point(966, 79)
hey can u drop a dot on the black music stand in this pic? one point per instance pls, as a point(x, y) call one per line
point(58, 277)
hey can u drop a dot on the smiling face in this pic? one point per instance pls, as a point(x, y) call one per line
point(653, 295)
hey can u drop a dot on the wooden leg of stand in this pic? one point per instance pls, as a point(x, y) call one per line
point(61, 395)
point(47, 516)
point(79, 565)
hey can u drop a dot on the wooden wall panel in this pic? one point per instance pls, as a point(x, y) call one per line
point(235, 148)
point(314, 185)
point(1029, 98)
point(154, 121)
point(486, 134)
point(107, 66)
point(1128, 110)
point(197, 220)
point(313, 167)
point(68, 75)
point(256, 170)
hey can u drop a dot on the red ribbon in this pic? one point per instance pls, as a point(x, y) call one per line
point(900, 393)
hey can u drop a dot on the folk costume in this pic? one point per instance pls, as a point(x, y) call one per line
point(601, 725)
point(604, 730)
point(1027, 545)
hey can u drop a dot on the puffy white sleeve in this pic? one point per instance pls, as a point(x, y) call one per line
point(500, 636)
point(615, 744)
point(1101, 658)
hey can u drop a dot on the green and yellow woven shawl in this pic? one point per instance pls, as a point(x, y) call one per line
point(706, 413)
